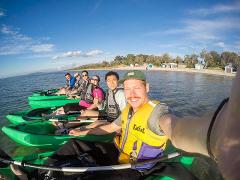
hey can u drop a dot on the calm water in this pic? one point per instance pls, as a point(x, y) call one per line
point(186, 93)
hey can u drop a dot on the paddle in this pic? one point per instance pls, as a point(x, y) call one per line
point(6, 160)
point(75, 121)
point(46, 92)
point(64, 116)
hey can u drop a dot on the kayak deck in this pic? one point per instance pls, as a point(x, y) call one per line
point(42, 134)
point(36, 114)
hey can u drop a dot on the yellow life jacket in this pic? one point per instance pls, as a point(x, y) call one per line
point(137, 141)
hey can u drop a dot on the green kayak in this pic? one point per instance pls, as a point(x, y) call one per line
point(52, 102)
point(45, 99)
point(35, 114)
point(46, 95)
point(45, 92)
point(186, 162)
point(42, 134)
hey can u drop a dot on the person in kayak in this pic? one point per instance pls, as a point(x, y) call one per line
point(84, 83)
point(81, 84)
point(70, 82)
point(77, 83)
point(110, 109)
point(90, 98)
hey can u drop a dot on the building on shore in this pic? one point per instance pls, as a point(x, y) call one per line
point(229, 68)
point(199, 66)
point(169, 65)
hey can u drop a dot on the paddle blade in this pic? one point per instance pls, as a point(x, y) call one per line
point(4, 159)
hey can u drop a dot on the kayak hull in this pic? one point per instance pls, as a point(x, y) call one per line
point(46, 97)
point(42, 134)
point(34, 114)
point(51, 103)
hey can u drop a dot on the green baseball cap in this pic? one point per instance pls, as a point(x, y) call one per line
point(134, 74)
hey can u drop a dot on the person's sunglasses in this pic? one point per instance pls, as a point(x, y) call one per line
point(83, 75)
point(94, 79)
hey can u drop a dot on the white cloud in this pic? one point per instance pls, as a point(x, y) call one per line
point(206, 29)
point(220, 44)
point(68, 54)
point(2, 12)
point(72, 54)
point(42, 48)
point(14, 33)
point(94, 53)
point(14, 42)
point(12, 49)
point(220, 8)
point(192, 34)
point(78, 54)
point(199, 29)
point(169, 45)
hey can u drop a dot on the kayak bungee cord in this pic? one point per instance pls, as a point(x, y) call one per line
point(86, 169)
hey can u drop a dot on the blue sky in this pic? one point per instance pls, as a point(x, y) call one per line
point(54, 35)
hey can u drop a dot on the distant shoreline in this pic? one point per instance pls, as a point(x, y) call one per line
point(188, 70)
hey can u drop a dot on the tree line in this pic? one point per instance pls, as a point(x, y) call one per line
point(211, 59)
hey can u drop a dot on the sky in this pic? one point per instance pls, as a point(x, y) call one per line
point(51, 35)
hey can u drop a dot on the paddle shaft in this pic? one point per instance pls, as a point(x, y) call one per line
point(97, 168)
point(76, 121)
point(65, 115)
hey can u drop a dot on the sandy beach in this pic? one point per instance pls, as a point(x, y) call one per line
point(179, 69)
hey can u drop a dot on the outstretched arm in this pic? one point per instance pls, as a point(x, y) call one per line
point(190, 134)
point(101, 130)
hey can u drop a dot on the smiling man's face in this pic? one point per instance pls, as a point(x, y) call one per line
point(136, 93)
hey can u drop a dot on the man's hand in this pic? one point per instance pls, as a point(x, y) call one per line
point(77, 132)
